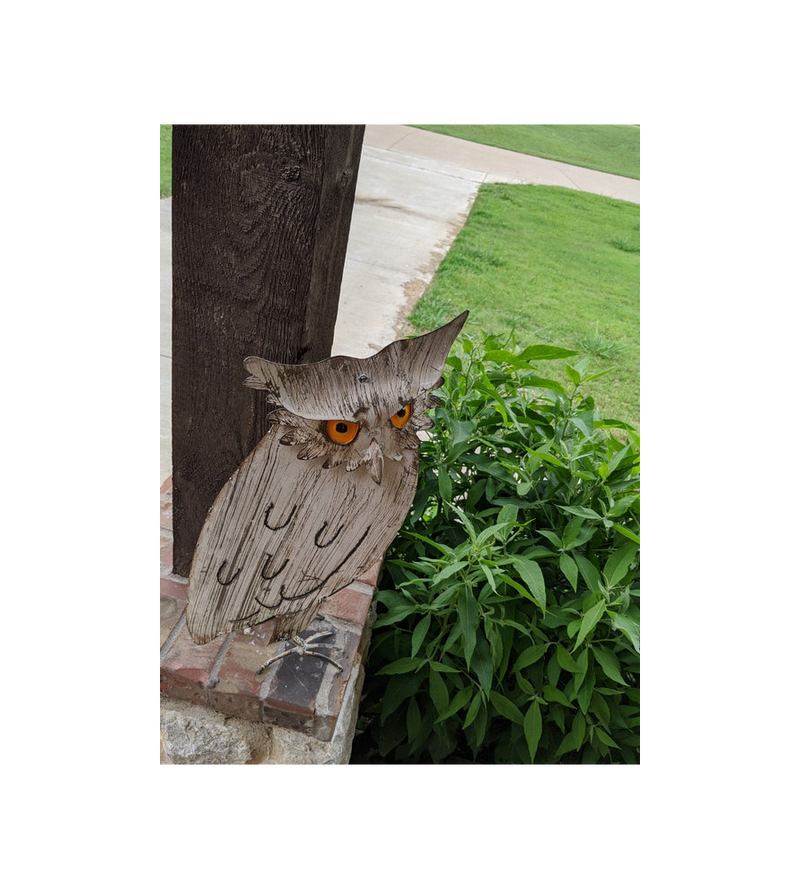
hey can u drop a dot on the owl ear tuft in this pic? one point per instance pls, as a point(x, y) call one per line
point(423, 357)
point(263, 374)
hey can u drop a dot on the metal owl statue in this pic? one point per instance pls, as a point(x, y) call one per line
point(322, 495)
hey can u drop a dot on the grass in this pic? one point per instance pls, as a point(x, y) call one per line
point(557, 266)
point(609, 148)
point(166, 160)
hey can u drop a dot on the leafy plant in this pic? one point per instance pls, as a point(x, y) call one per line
point(508, 619)
point(599, 344)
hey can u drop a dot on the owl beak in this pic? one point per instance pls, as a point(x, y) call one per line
point(373, 460)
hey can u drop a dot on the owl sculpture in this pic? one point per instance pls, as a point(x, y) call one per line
point(320, 498)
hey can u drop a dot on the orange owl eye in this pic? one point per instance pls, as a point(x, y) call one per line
point(342, 431)
point(402, 417)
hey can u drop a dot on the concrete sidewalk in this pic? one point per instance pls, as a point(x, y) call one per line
point(413, 195)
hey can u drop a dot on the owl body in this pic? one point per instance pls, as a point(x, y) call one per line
point(323, 494)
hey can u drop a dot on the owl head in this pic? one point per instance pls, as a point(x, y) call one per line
point(357, 411)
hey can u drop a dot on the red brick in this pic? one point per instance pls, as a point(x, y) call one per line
point(186, 667)
point(236, 691)
point(348, 605)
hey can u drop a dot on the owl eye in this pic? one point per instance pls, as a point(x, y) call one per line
point(402, 417)
point(342, 431)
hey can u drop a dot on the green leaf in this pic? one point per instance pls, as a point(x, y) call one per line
point(608, 663)
point(582, 667)
point(419, 634)
point(589, 621)
point(467, 523)
point(482, 662)
point(585, 694)
point(473, 710)
point(572, 373)
point(457, 703)
point(628, 624)
point(570, 534)
point(582, 511)
point(584, 422)
point(531, 574)
point(398, 688)
point(590, 574)
point(619, 562)
point(565, 660)
point(394, 616)
point(574, 739)
point(544, 352)
point(532, 727)
point(551, 693)
point(496, 399)
point(542, 383)
point(502, 356)
point(462, 430)
point(543, 455)
point(569, 569)
point(468, 616)
point(530, 656)
point(438, 689)
point(526, 686)
point(481, 723)
point(443, 668)
point(614, 462)
point(487, 571)
point(579, 729)
point(445, 485)
point(448, 571)
point(506, 708)
point(443, 548)
point(626, 532)
point(605, 738)
point(403, 665)
point(551, 536)
point(517, 586)
point(600, 708)
point(493, 531)
point(622, 505)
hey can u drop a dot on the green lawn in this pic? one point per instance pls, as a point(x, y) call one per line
point(609, 148)
point(166, 160)
point(557, 266)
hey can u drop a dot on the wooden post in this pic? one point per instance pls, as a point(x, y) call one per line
point(260, 220)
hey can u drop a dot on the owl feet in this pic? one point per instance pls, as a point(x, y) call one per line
point(304, 647)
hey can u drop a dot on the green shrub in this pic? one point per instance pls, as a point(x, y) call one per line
point(508, 619)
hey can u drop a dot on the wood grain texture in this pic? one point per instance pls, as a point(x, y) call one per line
point(261, 216)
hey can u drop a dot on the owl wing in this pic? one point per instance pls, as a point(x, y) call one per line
point(284, 533)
